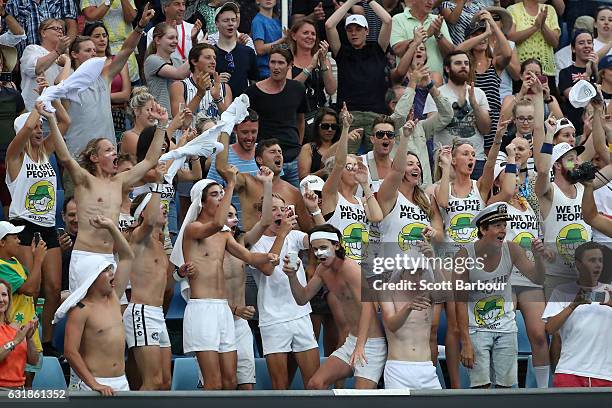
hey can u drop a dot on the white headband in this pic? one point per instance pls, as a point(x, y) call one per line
point(323, 235)
point(141, 207)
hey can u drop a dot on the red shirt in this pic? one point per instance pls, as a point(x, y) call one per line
point(12, 368)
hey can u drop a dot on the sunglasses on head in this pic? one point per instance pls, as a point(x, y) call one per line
point(350, 166)
point(382, 133)
point(328, 126)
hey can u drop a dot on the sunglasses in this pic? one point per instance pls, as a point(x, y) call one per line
point(351, 166)
point(230, 62)
point(382, 133)
point(329, 126)
point(525, 119)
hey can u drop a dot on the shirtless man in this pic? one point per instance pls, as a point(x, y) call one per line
point(145, 327)
point(208, 325)
point(267, 153)
point(95, 337)
point(99, 189)
point(342, 276)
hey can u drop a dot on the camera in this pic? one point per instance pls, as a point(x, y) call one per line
point(584, 172)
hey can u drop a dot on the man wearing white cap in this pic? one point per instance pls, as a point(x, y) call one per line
point(143, 318)
point(94, 343)
point(208, 326)
point(485, 310)
point(99, 189)
point(361, 66)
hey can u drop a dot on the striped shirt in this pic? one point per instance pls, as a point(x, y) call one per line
point(206, 104)
point(243, 166)
point(457, 30)
point(490, 83)
point(29, 14)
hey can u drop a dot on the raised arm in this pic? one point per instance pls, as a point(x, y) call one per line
point(442, 190)
point(330, 188)
point(266, 176)
point(255, 259)
point(385, 30)
point(330, 25)
point(370, 204)
point(16, 149)
point(300, 293)
point(395, 318)
point(31, 286)
point(287, 224)
point(222, 165)
point(543, 161)
point(508, 179)
point(533, 271)
point(129, 45)
point(485, 182)
point(151, 213)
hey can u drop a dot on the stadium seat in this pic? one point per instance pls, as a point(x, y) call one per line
point(442, 329)
point(176, 311)
point(185, 374)
point(262, 377)
point(464, 378)
point(440, 374)
point(50, 377)
point(524, 347)
point(530, 378)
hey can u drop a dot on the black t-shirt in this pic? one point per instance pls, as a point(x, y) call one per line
point(361, 78)
point(11, 105)
point(567, 78)
point(241, 63)
point(278, 115)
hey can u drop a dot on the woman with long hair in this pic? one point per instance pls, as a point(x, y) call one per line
point(32, 183)
point(160, 68)
point(121, 87)
point(140, 108)
point(311, 65)
point(602, 44)
point(14, 351)
point(325, 133)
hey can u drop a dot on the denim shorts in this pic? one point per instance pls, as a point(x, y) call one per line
point(495, 359)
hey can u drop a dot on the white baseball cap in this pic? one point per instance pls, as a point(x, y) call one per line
point(562, 124)
point(499, 167)
point(561, 149)
point(21, 120)
point(581, 93)
point(356, 19)
point(6, 228)
point(314, 183)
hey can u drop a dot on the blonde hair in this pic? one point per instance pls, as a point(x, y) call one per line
point(158, 31)
point(140, 97)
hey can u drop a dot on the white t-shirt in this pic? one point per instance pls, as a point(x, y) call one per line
point(185, 29)
point(274, 299)
point(603, 202)
point(586, 345)
point(463, 124)
point(31, 54)
point(563, 59)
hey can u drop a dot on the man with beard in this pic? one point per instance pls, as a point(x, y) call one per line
point(99, 188)
point(485, 311)
point(240, 154)
point(581, 312)
point(471, 110)
point(584, 67)
point(250, 190)
point(281, 104)
point(342, 277)
point(188, 34)
point(361, 66)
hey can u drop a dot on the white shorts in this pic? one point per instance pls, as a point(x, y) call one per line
point(246, 358)
point(375, 352)
point(417, 375)
point(145, 326)
point(116, 383)
point(208, 325)
point(76, 275)
point(286, 337)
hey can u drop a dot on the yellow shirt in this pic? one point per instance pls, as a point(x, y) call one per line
point(22, 306)
point(535, 46)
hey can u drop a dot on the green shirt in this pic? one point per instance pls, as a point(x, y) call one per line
point(403, 27)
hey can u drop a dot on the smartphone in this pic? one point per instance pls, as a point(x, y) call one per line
point(6, 76)
point(290, 211)
point(60, 232)
point(181, 107)
point(293, 260)
point(36, 238)
point(599, 297)
point(543, 79)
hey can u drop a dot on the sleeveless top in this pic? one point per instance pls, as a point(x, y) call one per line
point(33, 193)
point(352, 222)
point(565, 229)
point(206, 103)
point(490, 83)
point(458, 218)
point(490, 308)
point(316, 163)
point(522, 228)
point(401, 228)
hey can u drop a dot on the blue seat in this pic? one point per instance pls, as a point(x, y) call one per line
point(50, 377)
point(464, 377)
point(530, 378)
point(442, 329)
point(440, 375)
point(185, 374)
point(262, 377)
point(58, 335)
point(524, 347)
point(176, 310)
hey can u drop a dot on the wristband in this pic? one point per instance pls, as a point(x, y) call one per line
point(547, 148)
point(549, 100)
point(10, 346)
point(218, 101)
point(439, 36)
point(156, 188)
point(430, 85)
point(306, 72)
point(162, 127)
point(511, 168)
point(177, 277)
point(316, 212)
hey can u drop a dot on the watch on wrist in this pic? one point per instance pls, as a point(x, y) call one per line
point(430, 84)
point(438, 36)
point(10, 346)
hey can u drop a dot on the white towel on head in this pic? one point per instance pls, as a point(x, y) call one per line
point(205, 145)
point(176, 257)
point(77, 82)
point(95, 265)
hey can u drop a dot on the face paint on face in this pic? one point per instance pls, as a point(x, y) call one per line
point(232, 222)
point(323, 253)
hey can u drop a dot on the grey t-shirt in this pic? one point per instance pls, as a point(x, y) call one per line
point(92, 118)
point(159, 87)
